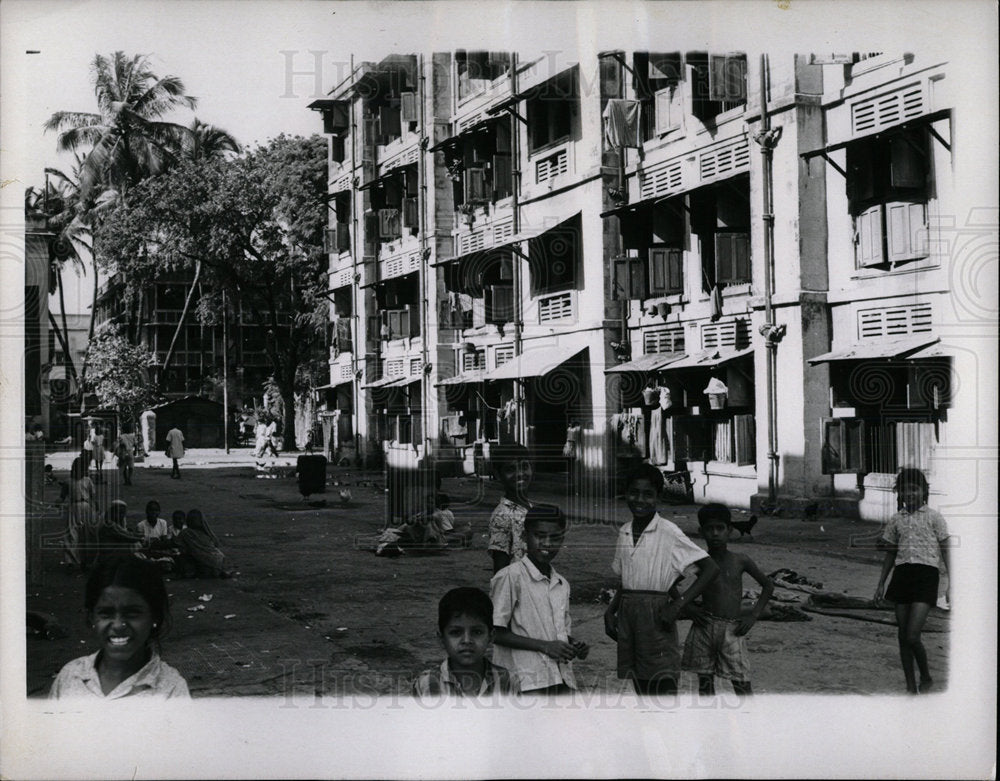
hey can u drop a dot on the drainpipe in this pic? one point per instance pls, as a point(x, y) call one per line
point(425, 377)
point(357, 298)
point(515, 156)
point(772, 333)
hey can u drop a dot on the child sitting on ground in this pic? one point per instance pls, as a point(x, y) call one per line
point(465, 626)
point(511, 465)
point(176, 523)
point(531, 623)
point(651, 555)
point(460, 537)
point(716, 644)
point(153, 528)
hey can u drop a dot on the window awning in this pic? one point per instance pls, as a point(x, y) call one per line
point(647, 363)
point(473, 128)
point(926, 119)
point(465, 377)
point(544, 87)
point(936, 350)
point(533, 363)
point(878, 348)
point(480, 252)
point(709, 359)
point(332, 385)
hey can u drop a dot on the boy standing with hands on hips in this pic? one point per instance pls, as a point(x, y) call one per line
point(650, 557)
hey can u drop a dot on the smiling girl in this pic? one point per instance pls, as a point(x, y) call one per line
point(126, 605)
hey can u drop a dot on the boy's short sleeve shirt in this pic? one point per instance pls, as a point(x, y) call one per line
point(506, 528)
point(657, 559)
point(917, 536)
point(440, 682)
point(532, 605)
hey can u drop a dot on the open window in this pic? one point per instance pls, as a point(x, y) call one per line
point(480, 290)
point(888, 189)
point(480, 164)
point(553, 110)
point(718, 82)
point(720, 215)
point(476, 70)
point(657, 78)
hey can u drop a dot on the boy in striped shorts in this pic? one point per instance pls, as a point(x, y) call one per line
point(651, 556)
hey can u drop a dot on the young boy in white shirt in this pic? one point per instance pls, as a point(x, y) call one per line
point(531, 632)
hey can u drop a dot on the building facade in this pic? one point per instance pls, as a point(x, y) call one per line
point(687, 258)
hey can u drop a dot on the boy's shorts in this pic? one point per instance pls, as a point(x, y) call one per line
point(647, 649)
point(716, 649)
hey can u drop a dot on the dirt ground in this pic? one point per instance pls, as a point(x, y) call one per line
point(312, 612)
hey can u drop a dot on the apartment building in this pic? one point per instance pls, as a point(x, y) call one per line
point(663, 256)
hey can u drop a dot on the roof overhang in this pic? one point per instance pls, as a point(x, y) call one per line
point(463, 379)
point(536, 362)
point(709, 359)
point(875, 349)
point(648, 363)
point(926, 119)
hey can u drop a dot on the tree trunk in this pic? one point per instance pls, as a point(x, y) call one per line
point(288, 428)
point(64, 337)
point(180, 324)
point(90, 338)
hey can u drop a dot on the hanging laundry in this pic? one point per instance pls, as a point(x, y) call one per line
point(658, 450)
point(715, 302)
point(621, 123)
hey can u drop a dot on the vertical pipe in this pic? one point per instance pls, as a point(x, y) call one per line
point(766, 150)
point(516, 261)
point(425, 383)
point(225, 373)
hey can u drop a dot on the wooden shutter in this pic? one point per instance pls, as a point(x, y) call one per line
point(395, 319)
point(343, 237)
point(370, 263)
point(503, 175)
point(408, 107)
point(843, 446)
point(500, 307)
point(665, 66)
point(338, 149)
point(665, 271)
point(629, 279)
point(620, 286)
point(388, 120)
point(474, 181)
point(905, 231)
point(732, 257)
point(389, 224)
point(745, 436)
point(727, 77)
point(371, 232)
point(869, 250)
point(370, 131)
point(411, 215)
point(330, 243)
point(907, 167)
point(410, 187)
point(372, 337)
point(336, 118)
point(667, 117)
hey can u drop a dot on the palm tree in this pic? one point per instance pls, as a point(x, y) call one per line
point(127, 139)
point(59, 204)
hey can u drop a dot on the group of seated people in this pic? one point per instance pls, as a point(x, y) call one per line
point(185, 547)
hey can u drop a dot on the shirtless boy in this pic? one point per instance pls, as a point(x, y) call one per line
point(716, 644)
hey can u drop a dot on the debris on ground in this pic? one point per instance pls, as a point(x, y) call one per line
point(783, 612)
point(196, 608)
point(44, 625)
point(205, 598)
point(229, 615)
point(791, 579)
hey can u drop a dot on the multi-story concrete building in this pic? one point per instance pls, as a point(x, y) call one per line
point(637, 257)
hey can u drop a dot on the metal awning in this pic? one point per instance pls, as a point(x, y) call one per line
point(530, 92)
point(384, 382)
point(647, 363)
point(533, 363)
point(479, 252)
point(475, 127)
point(877, 348)
point(926, 119)
point(709, 359)
point(936, 350)
point(333, 385)
point(465, 377)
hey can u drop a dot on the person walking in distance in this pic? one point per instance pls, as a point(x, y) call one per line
point(175, 450)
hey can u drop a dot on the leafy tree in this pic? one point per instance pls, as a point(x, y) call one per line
point(250, 226)
point(119, 374)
